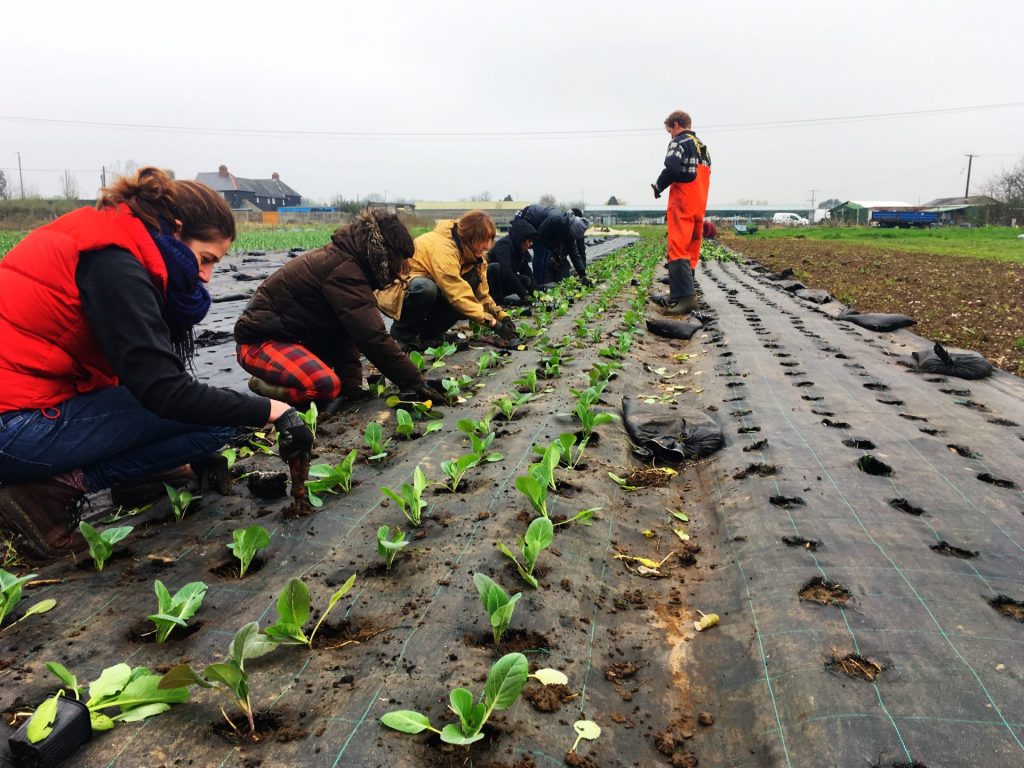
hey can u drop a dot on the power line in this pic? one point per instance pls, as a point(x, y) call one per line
point(486, 135)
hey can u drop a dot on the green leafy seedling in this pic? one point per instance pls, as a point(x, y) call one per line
point(410, 497)
point(101, 545)
point(487, 360)
point(510, 404)
point(497, 602)
point(246, 543)
point(590, 419)
point(328, 479)
point(134, 692)
point(480, 428)
point(404, 427)
point(175, 611)
point(309, 417)
point(440, 352)
point(374, 438)
point(505, 683)
point(293, 608)
point(230, 455)
point(539, 536)
point(528, 381)
point(481, 446)
point(583, 517)
point(10, 596)
point(180, 501)
point(228, 677)
point(389, 543)
point(457, 468)
point(535, 491)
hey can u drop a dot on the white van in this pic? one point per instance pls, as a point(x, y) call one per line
point(789, 220)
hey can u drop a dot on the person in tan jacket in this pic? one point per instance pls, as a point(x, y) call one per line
point(448, 281)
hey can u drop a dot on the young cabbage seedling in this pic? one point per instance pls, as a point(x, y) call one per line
point(389, 543)
point(377, 388)
point(539, 536)
point(544, 470)
point(510, 404)
point(246, 543)
point(293, 606)
point(309, 417)
point(374, 438)
point(328, 479)
point(10, 596)
point(505, 683)
point(470, 427)
point(528, 381)
point(452, 390)
point(409, 498)
point(179, 501)
point(404, 427)
point(535, 491)
point(487, 360)
point(497, 603)
point(135, 692)
point(101, 545)
point(589, 419)
point(457, 468)
point(480, 446)
point(440, 352)
point(228, 677)
point(175, 611)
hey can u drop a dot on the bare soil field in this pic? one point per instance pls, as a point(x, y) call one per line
point(970, 303)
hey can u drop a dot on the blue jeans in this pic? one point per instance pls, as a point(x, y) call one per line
point(107, 434)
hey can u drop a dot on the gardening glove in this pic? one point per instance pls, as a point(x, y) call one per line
point(657, 193)
point(505, 329)
point(294, 438)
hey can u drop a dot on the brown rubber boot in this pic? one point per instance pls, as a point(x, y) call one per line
point(142, 490)
point(45, 513)
point(213, 474)
point(682, 307)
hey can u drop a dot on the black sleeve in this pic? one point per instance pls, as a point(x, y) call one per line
point(123, 308)
point(680, 164)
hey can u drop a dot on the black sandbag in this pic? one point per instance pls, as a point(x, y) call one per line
point(785, 274)
point(791, 285)
point(671, 436)
point(877, 321)
point(963, 365)
point(817, 295)
point(674, 329)
point(661, 299)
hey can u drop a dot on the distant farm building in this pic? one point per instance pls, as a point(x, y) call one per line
point(859, 211)
point(252, 194)
point(959, 210)
point(501, 211)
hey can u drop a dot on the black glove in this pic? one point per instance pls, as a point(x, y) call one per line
point(586, 281)
point(421, 391)
point(506, 329)
point(657, 194)
point(294, 438)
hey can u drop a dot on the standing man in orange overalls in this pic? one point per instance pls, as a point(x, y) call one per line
point(688, 173)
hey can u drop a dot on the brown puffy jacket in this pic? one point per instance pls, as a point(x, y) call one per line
point(324, 301)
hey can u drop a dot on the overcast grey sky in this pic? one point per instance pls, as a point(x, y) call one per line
point(397, 69)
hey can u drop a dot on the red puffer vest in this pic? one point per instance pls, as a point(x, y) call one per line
point(48, 353)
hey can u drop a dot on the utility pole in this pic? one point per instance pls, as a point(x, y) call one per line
point(103, 177)
point(21, 178)
point(811, 216)
point(967, 191)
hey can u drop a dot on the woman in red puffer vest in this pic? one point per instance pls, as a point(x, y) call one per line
point(96, 317)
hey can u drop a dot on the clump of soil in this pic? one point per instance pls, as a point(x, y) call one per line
point(706, 719)
point(270, 726)
point(346, 632)
point(945, 548)
point(800, 541)
point(1008, 607)
point(648, 477)
point(786, 502)
point(758, 469)
point(229, 569)
point(576, 760)
point(819, 590)
point(548, 698)
point(854, 665)
point(756, 446)
point(621, 670)
point(873, 466)
point(905, 506)
point(268, 485)
point(513, 641)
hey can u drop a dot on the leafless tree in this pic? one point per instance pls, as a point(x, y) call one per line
point(548, 199)
point(480, 197)
point(1007, 187)
point(69, 186)
point(3, 186)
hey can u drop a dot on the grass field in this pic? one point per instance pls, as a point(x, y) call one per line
point(995, 243)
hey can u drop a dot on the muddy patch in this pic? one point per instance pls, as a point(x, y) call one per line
point(1007, 606)
point(757, 470)
point(856, 666)
point(820, 590)
point(549, 698)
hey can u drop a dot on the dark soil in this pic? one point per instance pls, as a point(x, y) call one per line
point(576, 760)
point(945, 548)
point(800, 541)
point(270, 727)
point(760, 470)
point(988, 314)
point(513, 641)
point(818, 590)
point(1008, 607)
point(853, 665)
point(145, 632)
point(268, 485)
point(548, 698)
point(905, 506)
point(346, 632)
point(229, 568)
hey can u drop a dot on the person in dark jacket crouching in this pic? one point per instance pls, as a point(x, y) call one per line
point(512, 254)
point(559, 235)
point(303, 330)
point(96, 317)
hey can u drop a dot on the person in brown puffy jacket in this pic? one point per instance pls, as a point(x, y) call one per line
point(302, 332)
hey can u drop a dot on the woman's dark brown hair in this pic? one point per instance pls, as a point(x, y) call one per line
point(475, 228)
point(157, 199)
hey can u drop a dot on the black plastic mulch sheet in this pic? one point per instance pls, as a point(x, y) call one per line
point(811, 401)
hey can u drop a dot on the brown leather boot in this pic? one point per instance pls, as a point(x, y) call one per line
point(45, 513)
point(142, 490)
